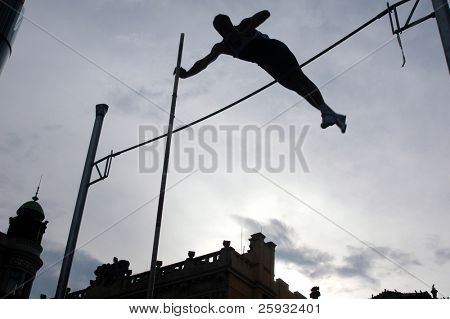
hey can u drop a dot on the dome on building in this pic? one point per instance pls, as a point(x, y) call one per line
point(32, 209)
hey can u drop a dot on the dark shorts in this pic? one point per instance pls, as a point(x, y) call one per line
point(271, 55)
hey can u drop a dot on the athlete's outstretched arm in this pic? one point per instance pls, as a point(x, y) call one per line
point(201, 64)
point(254, 21)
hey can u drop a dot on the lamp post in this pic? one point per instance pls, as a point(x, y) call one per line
point(10, 18)
point(63, 280)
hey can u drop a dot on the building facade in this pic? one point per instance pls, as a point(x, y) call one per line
point(20, 250)
point(221, 274)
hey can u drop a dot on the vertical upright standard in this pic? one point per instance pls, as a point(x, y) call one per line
point(442, 13)
point(152, 274)
point(11, 13)
point(100, 113)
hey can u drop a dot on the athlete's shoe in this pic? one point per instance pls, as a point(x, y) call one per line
point(329, 119)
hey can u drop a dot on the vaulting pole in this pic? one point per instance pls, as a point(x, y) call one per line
point(152, 274)
point(443, 21)
point(100, 113)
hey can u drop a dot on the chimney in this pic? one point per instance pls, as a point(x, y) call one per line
point(263, 255)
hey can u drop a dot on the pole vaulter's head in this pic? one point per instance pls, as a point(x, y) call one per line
point(222, 23)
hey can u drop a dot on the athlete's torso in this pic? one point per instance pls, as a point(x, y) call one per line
point(244, 46)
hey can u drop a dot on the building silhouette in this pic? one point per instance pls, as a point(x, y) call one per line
point(221, 274)
point(387, 294)
point(20, 250)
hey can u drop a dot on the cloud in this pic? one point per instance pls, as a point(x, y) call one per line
point(362, 262)
point(134, 40)
point(359, 262)
point(442, 255)
point(11, 141)
point(314, 262)
point(440, 251)
point(52, 127)
point(130, 102)
point(4, 180)
point(404, 259)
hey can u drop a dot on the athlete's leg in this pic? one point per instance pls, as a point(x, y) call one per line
point(280, 62)
point(297, 81)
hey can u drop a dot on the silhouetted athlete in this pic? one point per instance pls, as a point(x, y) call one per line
point(246, 43)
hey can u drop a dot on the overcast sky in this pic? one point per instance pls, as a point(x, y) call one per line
point(369, 213)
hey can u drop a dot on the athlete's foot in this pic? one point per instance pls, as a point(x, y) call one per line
point(329, 119)
point(340, 122)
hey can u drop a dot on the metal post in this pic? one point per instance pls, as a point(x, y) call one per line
point(442, 12)
point(100, 113)
point(152, 274)
point(10, 19)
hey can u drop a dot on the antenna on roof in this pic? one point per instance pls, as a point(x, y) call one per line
point(35, 197)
